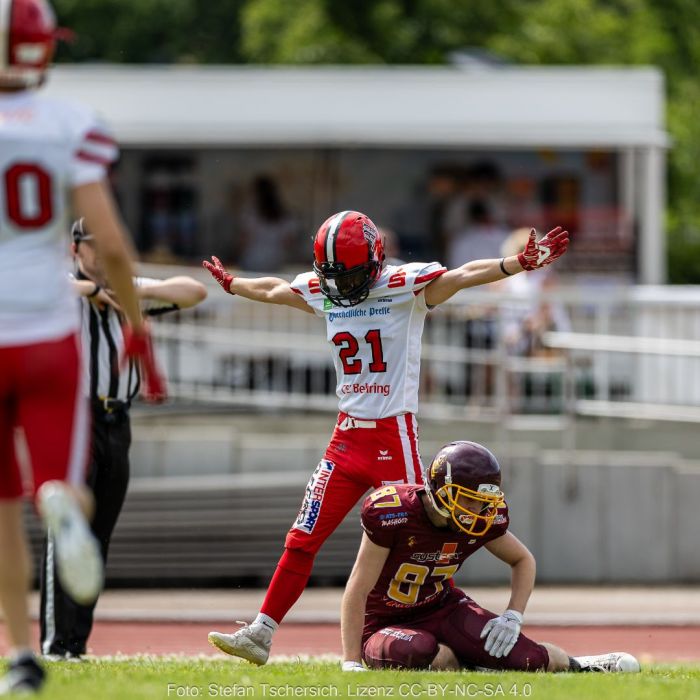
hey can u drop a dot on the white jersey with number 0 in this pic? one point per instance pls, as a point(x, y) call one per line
point(47, 148)
point(377, 343)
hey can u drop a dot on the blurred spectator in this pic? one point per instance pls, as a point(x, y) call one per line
point(169, 210)
point(526, 319)
point(223, 230)
point(482, 238)
point(482, 181)
point(268, 231)
point(529, 317)
point(420, 222)
point(391, 246)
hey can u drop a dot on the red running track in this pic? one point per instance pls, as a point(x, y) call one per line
point(662, 644)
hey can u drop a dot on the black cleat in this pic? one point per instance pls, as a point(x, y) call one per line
point(24, 676)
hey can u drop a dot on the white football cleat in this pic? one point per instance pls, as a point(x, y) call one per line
point(251, 642)
point(614, 662)
point(78, 558)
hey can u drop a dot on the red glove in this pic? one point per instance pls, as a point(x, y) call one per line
point(138, 346)
point(545, 251)
point(219, 273)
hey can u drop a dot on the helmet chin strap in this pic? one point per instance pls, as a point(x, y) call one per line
point(434, 503)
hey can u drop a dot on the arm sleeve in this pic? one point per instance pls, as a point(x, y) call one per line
point(500, 524)
point(94, 150)
point(306, 286)
point(425, 274)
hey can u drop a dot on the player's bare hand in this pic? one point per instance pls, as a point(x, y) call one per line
point(540, 253)
point(218, 272)
point(502, 633)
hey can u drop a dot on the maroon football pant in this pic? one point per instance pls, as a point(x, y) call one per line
point(457, 624)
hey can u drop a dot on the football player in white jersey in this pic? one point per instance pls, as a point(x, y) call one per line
point(53, 155)
point(374, 317)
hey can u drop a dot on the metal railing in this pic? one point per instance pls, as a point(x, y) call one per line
point(611, 350)
point(666, 348)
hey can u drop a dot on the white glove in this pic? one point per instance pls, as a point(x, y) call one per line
point(503, 633)
point(353, 666)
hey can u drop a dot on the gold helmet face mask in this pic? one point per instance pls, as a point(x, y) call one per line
point(449, 495)
point(468, 521)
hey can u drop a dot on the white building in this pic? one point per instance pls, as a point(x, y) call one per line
point(585, 144)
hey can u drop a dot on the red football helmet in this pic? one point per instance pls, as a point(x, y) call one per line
point(467, 470)
point(348, 257)
point(28, 36)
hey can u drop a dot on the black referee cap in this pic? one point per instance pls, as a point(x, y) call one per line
point(79, 232)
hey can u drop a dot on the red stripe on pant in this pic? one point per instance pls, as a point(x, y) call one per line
point(413, 438)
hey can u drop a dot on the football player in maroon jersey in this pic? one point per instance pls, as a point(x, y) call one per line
point(399, 609)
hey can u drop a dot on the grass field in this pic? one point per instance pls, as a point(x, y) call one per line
point(155, 677)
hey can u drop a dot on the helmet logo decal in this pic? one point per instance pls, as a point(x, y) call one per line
point(370, 233)
point(488, 488)
point(437, 463)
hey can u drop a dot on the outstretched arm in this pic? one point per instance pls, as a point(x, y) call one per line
point(271, 290)
point(536, 254)
point(181, 291)
point(368, 565)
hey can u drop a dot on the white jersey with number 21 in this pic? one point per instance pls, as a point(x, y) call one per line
point(377, 343)
point(47, 148)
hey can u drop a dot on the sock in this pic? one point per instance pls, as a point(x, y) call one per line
point(18, 655)
point(574, 666)
point(288, 583)
point(267, 622)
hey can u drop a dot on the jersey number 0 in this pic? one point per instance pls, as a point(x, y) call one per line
point(28, 195)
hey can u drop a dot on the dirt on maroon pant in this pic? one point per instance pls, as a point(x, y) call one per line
point(413, 642)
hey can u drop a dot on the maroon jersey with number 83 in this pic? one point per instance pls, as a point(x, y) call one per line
point(423, 557)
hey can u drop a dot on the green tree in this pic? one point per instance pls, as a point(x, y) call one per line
point(369, 31)
point(151, 31)
point(585, 32)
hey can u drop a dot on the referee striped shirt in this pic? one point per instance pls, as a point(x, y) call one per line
point(103, 346)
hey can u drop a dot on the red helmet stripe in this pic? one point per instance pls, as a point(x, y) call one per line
point(5, 19)
point(332, 235)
